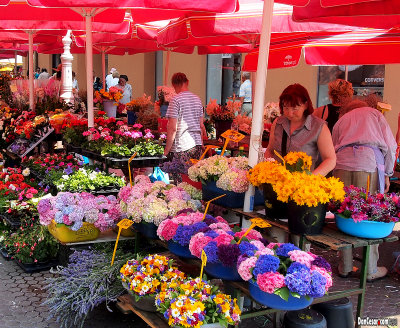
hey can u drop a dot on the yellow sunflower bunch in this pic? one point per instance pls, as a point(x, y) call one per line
point(267, 172)
point(295, 159)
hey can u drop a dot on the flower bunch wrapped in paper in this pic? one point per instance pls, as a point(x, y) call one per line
point(154, 202)
point(182, 227)
point(229, 173)
point(284, 270)
point(360, 206)
point(293, 181)
point(218, 112)
point(72, 209)
point(149, 275)
point(194, 303)
point(114, 94)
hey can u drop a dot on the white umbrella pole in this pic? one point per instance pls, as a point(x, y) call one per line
point(257, 125)
point(89, 69)
point(31, 88)
point(103, 66)
point(16, 62)
point(346, 72)
point(166, 71)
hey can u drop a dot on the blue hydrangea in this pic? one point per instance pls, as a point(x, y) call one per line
point(183, 234)
point(284, 249)
point(266, 263)
point(299, 282)
point(318, 283)
point(230, 233)
point(247, 248)
point(296, 266)
point(197, 227)
point(211, 233)
point(211, 252)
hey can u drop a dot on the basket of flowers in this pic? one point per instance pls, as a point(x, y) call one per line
point(145, 277)
point(197, 303)
point(364, 215)
point(283, 277)
point(109, 99)
point(291, 190)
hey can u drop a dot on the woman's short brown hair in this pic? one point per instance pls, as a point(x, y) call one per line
point(295, 95)
point(179, 79)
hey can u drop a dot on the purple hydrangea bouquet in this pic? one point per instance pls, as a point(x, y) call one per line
point(73, 209)
point(281, 273)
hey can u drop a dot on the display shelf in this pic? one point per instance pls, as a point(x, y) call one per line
point(37, 267)
point(105, 237)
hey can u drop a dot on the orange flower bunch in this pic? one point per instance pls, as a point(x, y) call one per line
point(139, 103)
point(112, 94)
point(222, 113)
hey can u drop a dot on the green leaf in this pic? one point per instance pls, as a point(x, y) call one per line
point(283, 293)
point(294, 294)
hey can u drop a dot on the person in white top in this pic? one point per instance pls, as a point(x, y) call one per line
point(126, 89)
point(74, 82)
point(245, 95)
point(44, 75)
point(109, 78)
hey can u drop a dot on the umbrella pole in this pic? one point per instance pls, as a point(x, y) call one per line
point(103, 66)
point(89, 69)
point(257, 125)
point(166, 71)
point(30, 68)
point(16, 62)
point(346, 72)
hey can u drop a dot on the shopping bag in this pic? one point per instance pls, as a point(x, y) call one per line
point(159, 175)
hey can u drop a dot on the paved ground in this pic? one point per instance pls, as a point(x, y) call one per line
point(21, 295)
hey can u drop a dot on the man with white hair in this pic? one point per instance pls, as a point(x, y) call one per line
point(245, 95)
point(109, 78)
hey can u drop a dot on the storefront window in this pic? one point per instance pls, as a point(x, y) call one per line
point(366, 79)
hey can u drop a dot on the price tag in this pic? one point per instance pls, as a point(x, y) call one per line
point(129, 167)
point(208, 204)
point(203, 263)
point(208, 147)
point(230, 135)
point(256, 222)
point(123, 224)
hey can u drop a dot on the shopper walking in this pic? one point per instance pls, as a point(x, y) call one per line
point(245, 94)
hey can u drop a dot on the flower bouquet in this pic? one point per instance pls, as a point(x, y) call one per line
point(138, 104)
point(151, 203)
point(282, 276)
point(305, 193)
point(145, 277)
point(222, 175)
point(109, 99)
point(179, 230)
point(364, 215)
point(75, 217)
point(195, 303)
point(222, 247)
point(222, 116)
point(243, 123)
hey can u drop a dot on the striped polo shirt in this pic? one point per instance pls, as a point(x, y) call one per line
point(186, 107)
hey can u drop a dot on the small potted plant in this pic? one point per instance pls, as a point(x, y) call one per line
point(283, 277)
point(145, 277)
point(364, 215)
point(197, 303)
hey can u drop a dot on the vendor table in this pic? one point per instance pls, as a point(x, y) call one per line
point(331, 239)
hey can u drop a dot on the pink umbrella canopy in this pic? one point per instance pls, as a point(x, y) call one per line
point(373, 13)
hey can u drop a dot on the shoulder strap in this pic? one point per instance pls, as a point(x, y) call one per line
point(284, 143)
point(323, 112)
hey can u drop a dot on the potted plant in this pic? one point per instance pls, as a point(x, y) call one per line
point(364, 215)
point(281, 276)
point(306, 194)
point(222, 175)
point(222, 116)
point(135, 106)
point(197, 303)
point(145, 277)
point(109, 99)
point(73, 217)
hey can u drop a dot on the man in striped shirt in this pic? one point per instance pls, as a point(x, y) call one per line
point(185, 128)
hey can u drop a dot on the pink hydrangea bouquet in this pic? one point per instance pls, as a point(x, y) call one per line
point(72, 209)
point(229, 173)
point(154, 202)
point(182, 227)
point(220, 243)
point(284, 270)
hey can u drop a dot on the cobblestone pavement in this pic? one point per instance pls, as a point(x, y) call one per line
point(21, 295)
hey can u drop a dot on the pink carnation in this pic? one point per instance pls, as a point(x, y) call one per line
point(272, 245)
point(221, 219)
point(245, 266)
point(301, 257)
point(313, 255)
point(197, 243)
point(223, 239)
point(220, 225)
point(167, 229)
point(270, 281)
point(258, 244)
point(265, 251)
point(326, 274)
point(253, 234)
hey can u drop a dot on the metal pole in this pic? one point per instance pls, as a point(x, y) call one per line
point(166, 71)
point(16, 62)
point(31, 77)
point(103, 66)
point(346, 72)
point(257, 126)
point(89, 69)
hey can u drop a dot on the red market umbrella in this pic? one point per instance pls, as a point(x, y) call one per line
point(373, 13)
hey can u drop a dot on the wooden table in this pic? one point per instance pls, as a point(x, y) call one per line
point(331, 238)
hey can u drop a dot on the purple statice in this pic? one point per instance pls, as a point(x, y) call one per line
point(318, 282)
point(247, 249)
point(210, 219)
point(296, 266)
point(322, 263)
point(211, 233)
point(211, 251)
point(299, 282)
point(284, 249)
point(266, 263)
point(228, 254)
